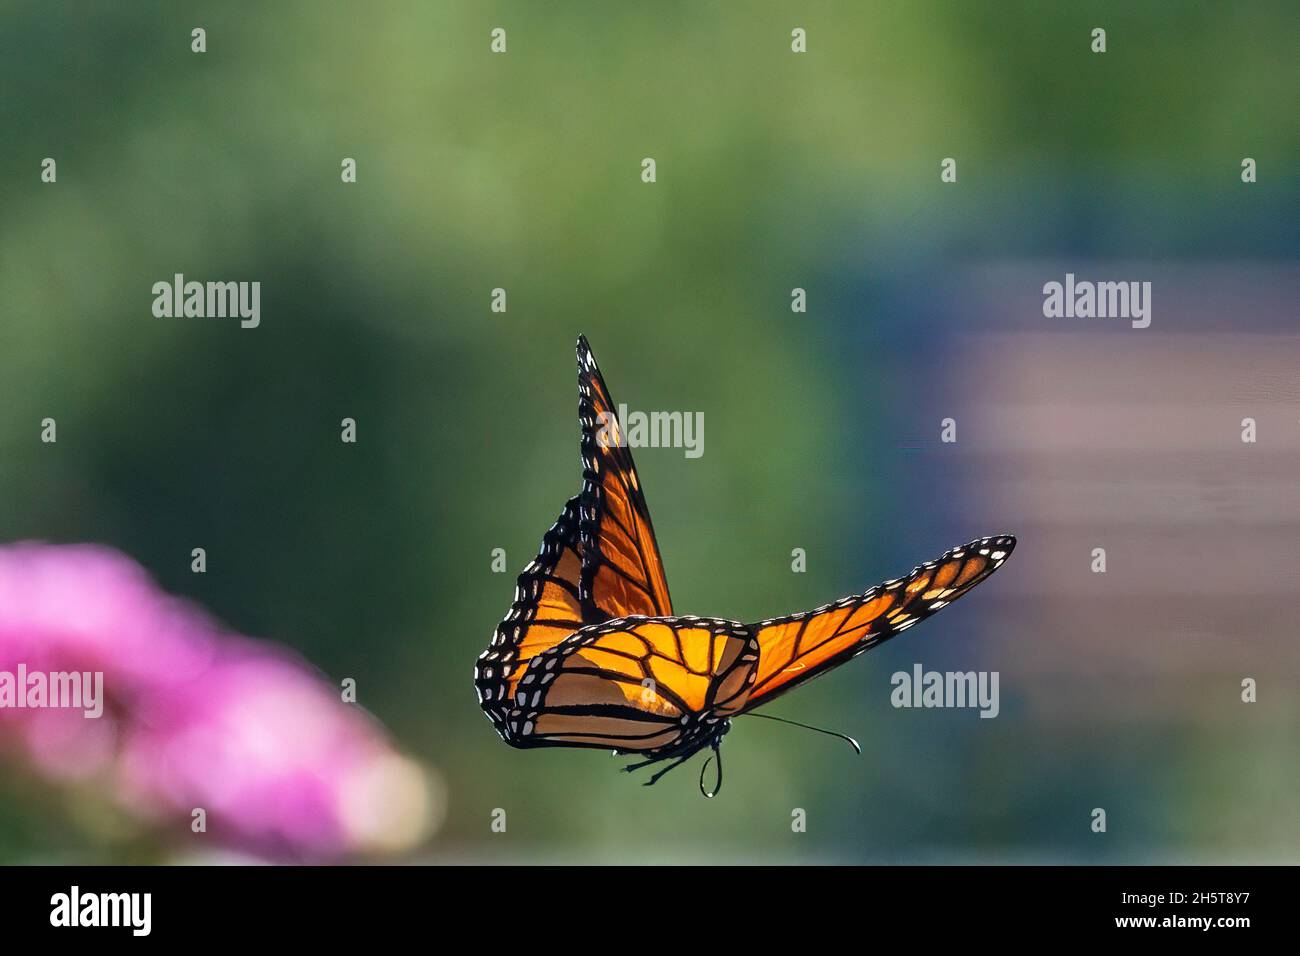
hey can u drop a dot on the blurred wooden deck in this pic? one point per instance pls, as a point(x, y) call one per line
point(1132, 442)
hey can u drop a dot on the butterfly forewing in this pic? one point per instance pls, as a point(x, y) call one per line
point(622, 572)
point(599, 561)
point(545, 611)
point(799, 647)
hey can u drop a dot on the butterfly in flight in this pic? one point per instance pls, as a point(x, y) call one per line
point(592, 655)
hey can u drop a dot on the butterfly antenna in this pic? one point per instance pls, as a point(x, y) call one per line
point(821, 730)
point(717, 784)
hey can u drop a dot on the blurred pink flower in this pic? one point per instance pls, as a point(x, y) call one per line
point(196, 717)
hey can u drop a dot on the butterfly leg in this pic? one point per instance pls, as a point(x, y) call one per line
point(676, 763)
point(637, 766)
point(665, 754)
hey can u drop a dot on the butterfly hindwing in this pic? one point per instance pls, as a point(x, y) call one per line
point(622, 572)
point(799, 647)
point(633, 684)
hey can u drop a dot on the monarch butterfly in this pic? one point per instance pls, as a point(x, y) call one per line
point(591, 654)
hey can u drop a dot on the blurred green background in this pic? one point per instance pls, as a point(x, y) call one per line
point(522, 171)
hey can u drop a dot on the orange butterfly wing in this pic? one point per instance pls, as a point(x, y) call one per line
point(600, 560)
point(545, 611)
point(622, 572)
point(799, 647)
point(634, 684)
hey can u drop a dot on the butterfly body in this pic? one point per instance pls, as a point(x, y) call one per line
point(591, 655)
